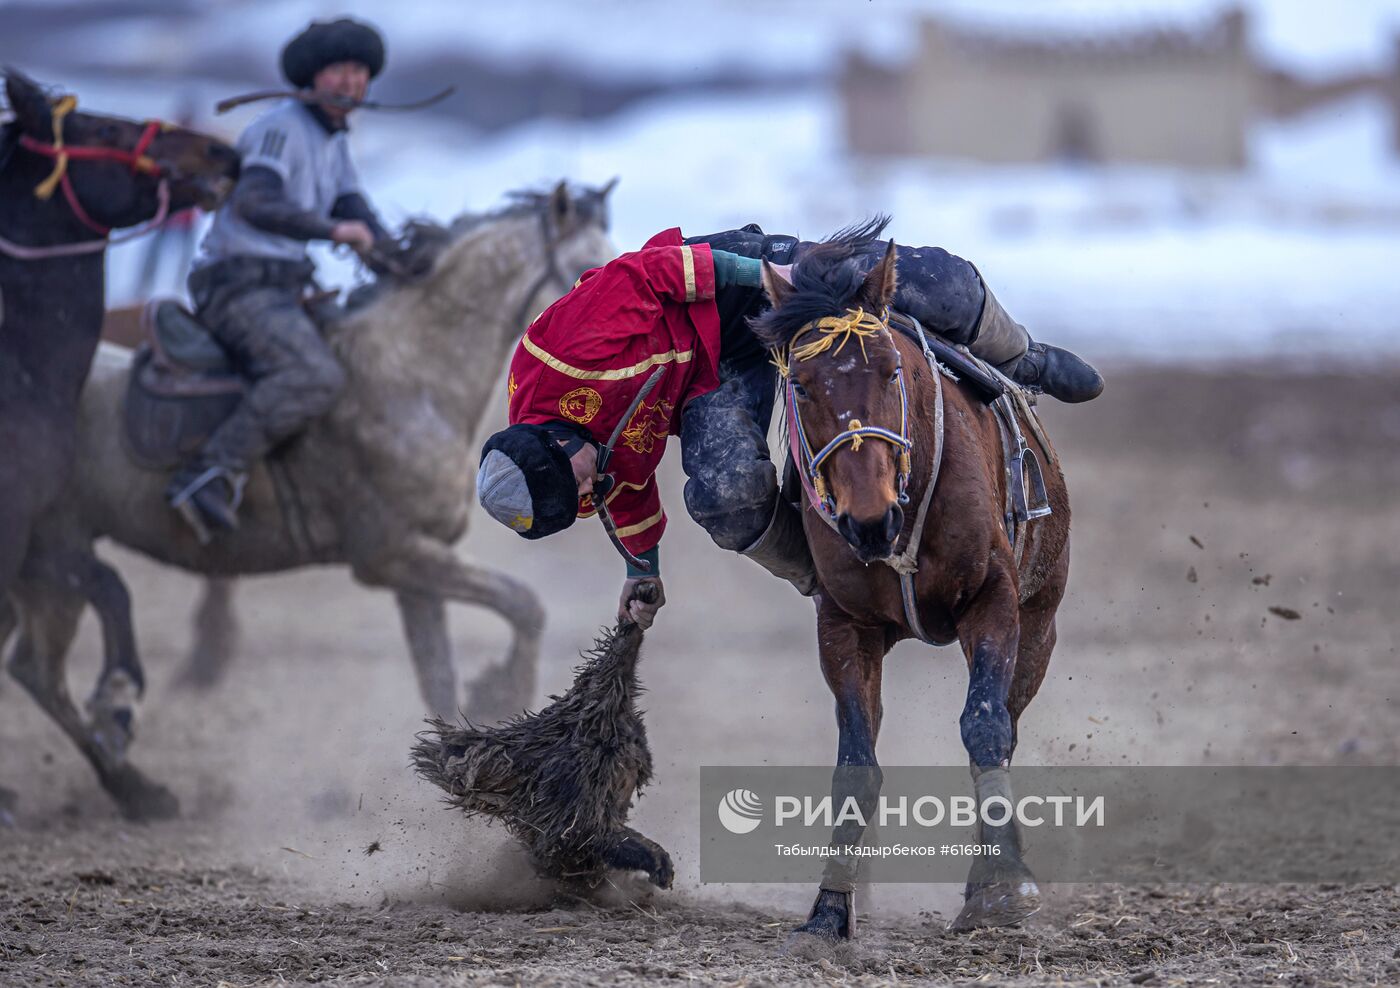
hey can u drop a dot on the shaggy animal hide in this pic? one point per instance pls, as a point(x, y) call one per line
point(561, 780)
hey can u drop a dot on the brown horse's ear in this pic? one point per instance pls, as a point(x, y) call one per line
point(561, 205)
point(30, 105)
point(877, 291)
point(775, 285)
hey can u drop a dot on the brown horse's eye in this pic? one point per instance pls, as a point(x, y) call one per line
point(894, 375)
point(800, 391)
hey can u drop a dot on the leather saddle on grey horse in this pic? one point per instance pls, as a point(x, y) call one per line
point(182, 386)
point(183, 383)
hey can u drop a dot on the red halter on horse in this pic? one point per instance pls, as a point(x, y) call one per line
point(136, 159)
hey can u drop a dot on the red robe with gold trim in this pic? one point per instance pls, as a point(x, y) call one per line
point(586, 357)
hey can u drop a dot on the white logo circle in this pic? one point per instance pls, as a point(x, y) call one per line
point(741, 811)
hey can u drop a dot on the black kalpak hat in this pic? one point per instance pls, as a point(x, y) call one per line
point(327, 42)
point(526, 482)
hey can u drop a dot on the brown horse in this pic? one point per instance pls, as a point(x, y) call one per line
point(866, 409)
point(67, 178)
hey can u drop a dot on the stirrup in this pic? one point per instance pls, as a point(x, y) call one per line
point(184, 501)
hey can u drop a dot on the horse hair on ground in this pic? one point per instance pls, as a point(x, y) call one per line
point(561, 780)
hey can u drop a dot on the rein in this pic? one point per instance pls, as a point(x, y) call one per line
point(136, 159)
point(834, 332)
point(551, 269)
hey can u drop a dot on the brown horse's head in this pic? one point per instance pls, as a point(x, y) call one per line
point(115, 165)
point(829, 333)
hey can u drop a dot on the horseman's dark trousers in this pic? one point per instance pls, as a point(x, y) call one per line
point(253, 307)
point(732, 485)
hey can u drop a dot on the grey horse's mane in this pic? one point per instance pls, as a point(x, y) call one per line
point(588, 201)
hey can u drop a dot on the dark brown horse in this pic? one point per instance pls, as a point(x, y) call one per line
point(865, 411)
point(66, 180)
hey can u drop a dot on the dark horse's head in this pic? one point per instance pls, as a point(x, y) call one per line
point(115, 166)
point(829, 333)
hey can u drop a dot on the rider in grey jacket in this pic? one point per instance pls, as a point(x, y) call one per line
point(297, 184)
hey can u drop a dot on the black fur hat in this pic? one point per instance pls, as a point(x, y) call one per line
point(526, 482)
point(327, 42)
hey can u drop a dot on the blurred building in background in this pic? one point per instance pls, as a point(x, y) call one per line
point(1242, 196)
point(1178, 96)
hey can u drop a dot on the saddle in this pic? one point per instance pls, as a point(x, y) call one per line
point(182, 387)
point(184, 384)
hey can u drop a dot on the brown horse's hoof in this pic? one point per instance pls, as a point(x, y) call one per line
point(998, 904)
point(112, 713)
point(833, 916)
point(140, 799)
point(8, 802)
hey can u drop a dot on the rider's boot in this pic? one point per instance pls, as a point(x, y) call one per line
point(207, 497)
point(1056, 371)
point(1002, 341)
point(782, 549)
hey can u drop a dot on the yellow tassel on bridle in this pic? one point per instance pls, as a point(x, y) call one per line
point(835, 331)
point(65, 106)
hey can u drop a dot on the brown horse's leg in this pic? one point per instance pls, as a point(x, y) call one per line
point(852, 659)
point(1037, 642)
point(1005, 897)
point(49, 622)
point(9, 621)
point(1001, 890)
point(65, 568)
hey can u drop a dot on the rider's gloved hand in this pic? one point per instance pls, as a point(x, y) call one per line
point(639, 613)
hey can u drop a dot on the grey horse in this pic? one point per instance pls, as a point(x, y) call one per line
point(382, 483)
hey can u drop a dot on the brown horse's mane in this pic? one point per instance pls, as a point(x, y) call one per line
point(826, 280)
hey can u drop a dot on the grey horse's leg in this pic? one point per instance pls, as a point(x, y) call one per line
point(425, 625)
point(49, 622)
point(216, 637)
point(426, 567)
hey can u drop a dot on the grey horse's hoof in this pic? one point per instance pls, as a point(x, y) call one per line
point(998, 904)
point(494, 696)
point(833, 916)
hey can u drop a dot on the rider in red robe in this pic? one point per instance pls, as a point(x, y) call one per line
point(684, 305)
point(586, 357)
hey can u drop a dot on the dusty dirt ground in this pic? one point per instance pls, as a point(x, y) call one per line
point(1200, 500)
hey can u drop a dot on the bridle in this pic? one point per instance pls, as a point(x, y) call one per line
point(834, 332)
point(552, 239)
point(136, 159)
